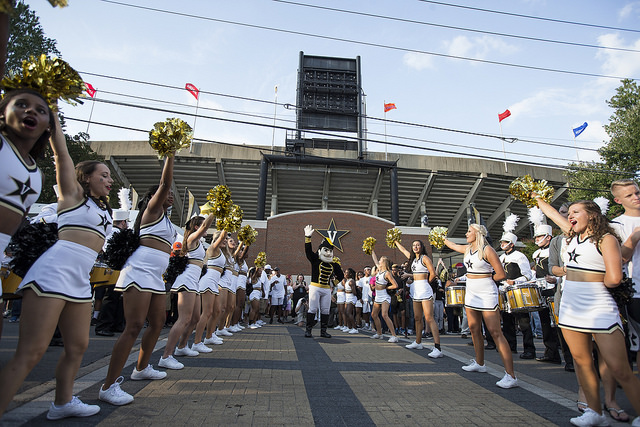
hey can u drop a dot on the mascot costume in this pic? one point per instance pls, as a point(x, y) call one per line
point(322, 270)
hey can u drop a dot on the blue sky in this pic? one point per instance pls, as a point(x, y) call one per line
point(226, 58)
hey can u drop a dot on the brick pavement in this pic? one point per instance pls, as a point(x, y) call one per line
point(275, 376)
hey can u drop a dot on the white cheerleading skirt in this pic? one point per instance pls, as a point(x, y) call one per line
point(481, 294)
point(588, 307)
point(340, 297)
point(62, 272)
point(241, 282)
point(382, 296)
point(421, 290)
point(4, 242)
point(255, 295)
point(228, 282)
point(209, 282)
point(351, 298)
point(143, 271)
point(188, 280)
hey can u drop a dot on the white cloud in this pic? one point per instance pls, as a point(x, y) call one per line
point(418, 61)
point(478, 47)
point(627, 10)
point(619, 63)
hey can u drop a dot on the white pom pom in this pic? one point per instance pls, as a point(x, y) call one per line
point(125, 200)
point(510, 223)
point(536, 216)
point(603, 202)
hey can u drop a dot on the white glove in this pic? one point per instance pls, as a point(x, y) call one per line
point(308, 231)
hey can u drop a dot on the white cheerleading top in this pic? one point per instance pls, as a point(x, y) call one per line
point(584, 256)
point(86, 216)
point(418, 267)
point(475, 264)
point(381, 279)
point(161, 230)
point(217, 261)
point(198, 252)
point(20, 184)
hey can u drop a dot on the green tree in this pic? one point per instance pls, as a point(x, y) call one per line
point(26, 38)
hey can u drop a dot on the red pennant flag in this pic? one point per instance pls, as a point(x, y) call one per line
point(90, 89)
point(504, 115)
point(193, 90)
point(389, 107)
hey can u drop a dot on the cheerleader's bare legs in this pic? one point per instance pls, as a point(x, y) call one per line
point(195, 318)
point(384, 307)
point(186, 308)
point(492, 322)
point(208, 302)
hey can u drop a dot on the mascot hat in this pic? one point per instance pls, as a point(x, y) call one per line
point(325, 244)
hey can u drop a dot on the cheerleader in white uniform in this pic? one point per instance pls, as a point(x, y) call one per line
point(254, 276)
point(350, 300)
point(241, 287)
point(481, 300)
point(186, 285)
point(56, 289)
point(422, 294)
point(340, 302)
point(144, 296)
point(382, 301)
point(227, 288)
point(20, 145)
point(587, 309)
point(210, 291)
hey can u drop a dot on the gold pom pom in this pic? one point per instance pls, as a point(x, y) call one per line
point(61, 3)
point(368, 245)
point(337, 260)
point(261, 260)
point(247, 235)
point(53, 78)
point(437, 236)
point(207, 209)
point(232, 222)
point(393, 235)
point(170, 136)
point(522, 187)
point(220, 198)
point(6, 6)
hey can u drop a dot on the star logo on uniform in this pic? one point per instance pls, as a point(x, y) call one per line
point(23, 189)
point(573, 255)
point(469, 263)
point(104, 222)
point(333, 235)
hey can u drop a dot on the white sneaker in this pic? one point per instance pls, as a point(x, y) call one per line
point(234, 328)
point(337, 328)
point(435, 353)
point(213, 340)
point(147, 373)
point(507, 381)
point(200, 348)
point(375, 336)
point(224, 332)
point(473, 366)
point(170, 363)
point(261, 322)
point(416, 346)
point(253, 326)
point(636, 422)
point(75, 408)
point(393, 339)
point(240, 326)
point(590, 418)
point(114, 394)
point(185, 351)
point(353, 331)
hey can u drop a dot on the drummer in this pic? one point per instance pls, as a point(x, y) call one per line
point(516, 265)
point(542, 236)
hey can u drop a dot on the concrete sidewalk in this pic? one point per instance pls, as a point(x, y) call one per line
point(275, 376)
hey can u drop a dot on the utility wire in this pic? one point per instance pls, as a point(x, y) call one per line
point(451, 27)
point(371, 44)
point(539, 18)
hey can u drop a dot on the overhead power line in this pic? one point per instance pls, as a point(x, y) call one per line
point(371, 44)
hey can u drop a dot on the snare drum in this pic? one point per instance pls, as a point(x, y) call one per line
point(102, 275)
point(524, 298)
point(455, 296)
point(552, 309)
point(10, 283)
point(502, 301)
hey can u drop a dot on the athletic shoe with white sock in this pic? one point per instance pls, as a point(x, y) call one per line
point(375, 336)
point(234, 328)
point(507, 381)
point(393, 339)
point(473, 366)
point(213, 340)
point(224, 332)
point(253, 326)
point(240, 326)
point(170, 363)
point(185, 351)
point(260, 322)
point(147, 373)
point(435, 353)
point(337, 328)
point(353, 331)
point(415, 346)
point(75, 408)
point(345, 329)
point(114, 394)
point(591, 418)
point(200, 348)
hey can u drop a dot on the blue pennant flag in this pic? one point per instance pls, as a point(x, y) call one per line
point(577, 131)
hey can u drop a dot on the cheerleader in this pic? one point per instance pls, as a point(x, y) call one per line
point(340, 302)
point(56, 289)
point(25, 127)
point(481, 300)
point(257, 293)
point(241, 287)
point(422, 295)
point(350, 300)
point(383, 281)
point(186, 285)
point(587, 309)
point(144, 292)
point(228, 282)
point(209, 291)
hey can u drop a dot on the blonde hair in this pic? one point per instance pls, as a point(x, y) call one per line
point(621, 183)
point(384, 263)
point(481, 239)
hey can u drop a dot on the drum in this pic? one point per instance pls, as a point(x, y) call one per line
point(552, 309)
point(455, 296)
point(102, 275)
point(524, 298)
point(10, 283)
point(502, 301)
